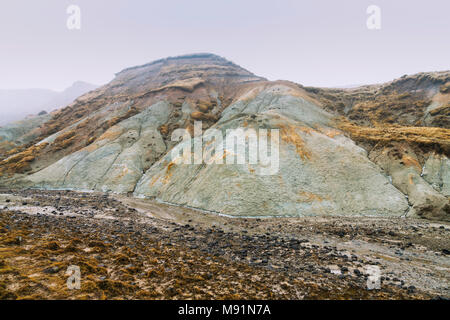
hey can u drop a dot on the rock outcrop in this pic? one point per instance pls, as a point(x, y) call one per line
point(436, 172)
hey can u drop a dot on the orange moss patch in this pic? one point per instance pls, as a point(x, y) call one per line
point(12, 151)
point(205, 106)
point(6, 294)
point(153, 181)
point(331, 133)
point(131, 112)
point(445, 109)
point(111, 134)
point(441, 116)
point(5, 147)
point(445, 88)
point(52, 245)
point(21, 162)
point(389, 108)
point(190, 129)
point(164, 129)
point(113, 288)
point(64, 140)
point(168, 173)
point(65, 136)
point(420, 135)
point(122, 259)
point(290, 136)
point(171, 164)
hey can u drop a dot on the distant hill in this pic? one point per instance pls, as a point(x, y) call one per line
point(17, 104)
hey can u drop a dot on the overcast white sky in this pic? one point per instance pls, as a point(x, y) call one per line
point(320, 43)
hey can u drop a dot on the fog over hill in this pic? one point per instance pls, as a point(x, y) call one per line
point(17, 104)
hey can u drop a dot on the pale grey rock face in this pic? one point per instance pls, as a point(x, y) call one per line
point(436, 172)
point(321, 172)
point(426, 202)
point(90, 170)
point(114, 162)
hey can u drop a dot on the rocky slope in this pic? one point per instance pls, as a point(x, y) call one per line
point(375, 150)
point(18, 104)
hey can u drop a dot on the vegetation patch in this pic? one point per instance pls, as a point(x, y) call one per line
point(290, 136)
point(21, 162)
point(427, 136)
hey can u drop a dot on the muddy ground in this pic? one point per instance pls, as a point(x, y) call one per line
point(129, 248)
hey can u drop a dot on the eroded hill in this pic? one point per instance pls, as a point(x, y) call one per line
point(375, 150)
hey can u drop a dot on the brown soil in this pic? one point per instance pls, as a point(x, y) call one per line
point(136, 249)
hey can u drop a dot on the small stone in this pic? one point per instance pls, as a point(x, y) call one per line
point(51, 270)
